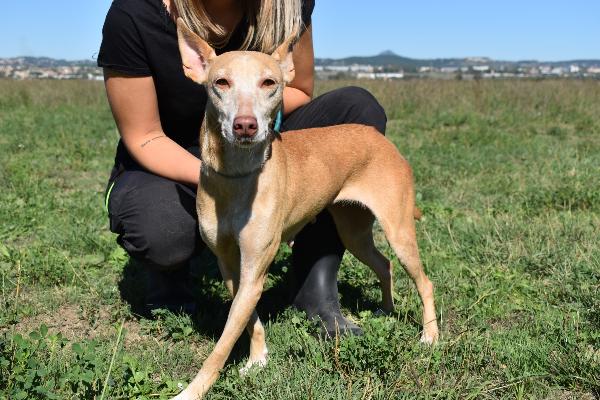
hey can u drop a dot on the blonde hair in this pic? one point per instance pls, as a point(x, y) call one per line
point(270, 22)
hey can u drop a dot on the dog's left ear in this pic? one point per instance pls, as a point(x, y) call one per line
point(196, 54)
point(283, 54)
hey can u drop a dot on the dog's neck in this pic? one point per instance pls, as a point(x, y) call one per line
point(226, 159)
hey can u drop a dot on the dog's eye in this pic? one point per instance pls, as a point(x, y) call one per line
point(268, 83)
point(222, 83)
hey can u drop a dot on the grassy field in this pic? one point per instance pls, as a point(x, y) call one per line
point(508, 178)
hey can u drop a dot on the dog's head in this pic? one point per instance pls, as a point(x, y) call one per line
point(245, 88)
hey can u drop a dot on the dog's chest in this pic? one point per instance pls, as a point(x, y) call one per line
point(238, 215)
point(222, 219)
point(220, 222)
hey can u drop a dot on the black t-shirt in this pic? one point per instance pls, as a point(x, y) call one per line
point(139, 38)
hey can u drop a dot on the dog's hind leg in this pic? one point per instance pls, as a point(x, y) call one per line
point(355, 227)
point(390, 197)
point(399, 226)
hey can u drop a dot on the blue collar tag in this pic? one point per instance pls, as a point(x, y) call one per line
point(278, 121)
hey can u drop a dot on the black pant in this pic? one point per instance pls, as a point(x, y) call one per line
point(156, 218)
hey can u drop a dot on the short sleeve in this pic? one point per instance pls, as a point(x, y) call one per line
point(122, 48)
point(307, 10)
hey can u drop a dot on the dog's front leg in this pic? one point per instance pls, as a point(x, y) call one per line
point(253, 271)
point(229, 266)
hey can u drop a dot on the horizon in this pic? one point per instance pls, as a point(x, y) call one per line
point(513, 32)
point(386, 52)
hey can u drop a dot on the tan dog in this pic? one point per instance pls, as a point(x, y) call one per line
point(258, 188)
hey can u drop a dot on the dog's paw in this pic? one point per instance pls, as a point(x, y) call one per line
point(260, 362)
point(430, 336)
point(184, 396)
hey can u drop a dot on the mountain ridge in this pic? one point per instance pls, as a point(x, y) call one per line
point(386, 58)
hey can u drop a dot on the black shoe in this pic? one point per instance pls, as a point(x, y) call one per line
point(318, 297)
point(169, 289)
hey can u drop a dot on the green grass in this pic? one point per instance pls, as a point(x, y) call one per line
point(508, 178)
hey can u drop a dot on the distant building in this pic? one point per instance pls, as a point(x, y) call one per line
point(481, 68)
point(365, 75)
point(449, 70)
point(477, 59)
point(361, 68)
point(338, 68)
point(389, 75)
point(380, 75)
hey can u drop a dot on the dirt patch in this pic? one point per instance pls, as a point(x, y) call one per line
point(512, 321)
point(452, 323)
point(70, 321)
point(569, 395)
point(73, 323)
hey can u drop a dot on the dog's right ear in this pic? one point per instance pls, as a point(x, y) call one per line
point(283, 55)
point(196, 54)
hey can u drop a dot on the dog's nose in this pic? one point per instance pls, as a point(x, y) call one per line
point(245, 126)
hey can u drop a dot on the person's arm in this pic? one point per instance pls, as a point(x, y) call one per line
point(135, 109)
point(300, 90)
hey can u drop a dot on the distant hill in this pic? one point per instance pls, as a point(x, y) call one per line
point(384, 59)
point(45, 62)
point(390, 59)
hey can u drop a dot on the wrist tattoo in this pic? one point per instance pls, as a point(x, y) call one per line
point(150, 140)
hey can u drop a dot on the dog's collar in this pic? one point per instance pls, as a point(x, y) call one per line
point(207, 168)
point(278, 120)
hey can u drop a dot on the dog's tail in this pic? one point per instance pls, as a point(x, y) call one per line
point(417, 213)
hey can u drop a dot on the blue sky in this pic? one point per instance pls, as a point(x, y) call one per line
point(503, 29)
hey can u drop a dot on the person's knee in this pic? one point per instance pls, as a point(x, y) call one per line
point(364, 107)
point(169, 248)
point(163, 247)
point(157, 224)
